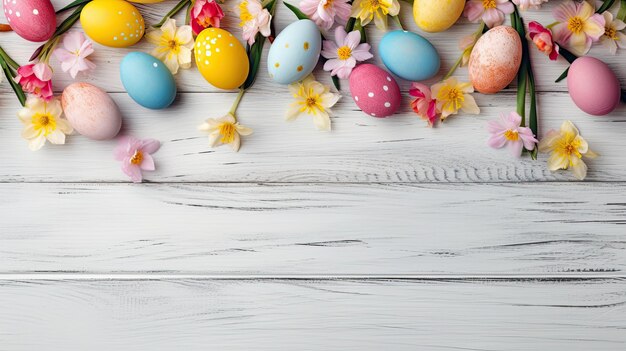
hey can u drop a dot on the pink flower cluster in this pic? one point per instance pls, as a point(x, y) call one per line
point(205, 14)
point(36, 79)
point(325, 12)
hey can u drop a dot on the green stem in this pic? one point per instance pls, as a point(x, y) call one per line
point(233, 108)
point(456, 65)
point(358, 26)
point(8, 59)
point(172, 12)
point(552, 24)
point(398, 22)
point(73, 4)
point(621, 14)
point(188, 15)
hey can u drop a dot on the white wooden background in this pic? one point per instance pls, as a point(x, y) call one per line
point(381, 235)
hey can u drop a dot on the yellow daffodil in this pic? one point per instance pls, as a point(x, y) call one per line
point(452, 96)
point(174, 45)
point(42, 121)
point(377, 10)
point(567, 148)
point(225, 130)
point(314, 99)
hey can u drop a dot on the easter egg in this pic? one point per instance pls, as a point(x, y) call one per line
point(409, 55)
point(295, 52)
point(593, 86)
point(374, 91)
point(221, 59)
point(437, 15)
point(33, 20)
point(91, 111)
point(495, 59)
point(114, 23)
point(147, 80)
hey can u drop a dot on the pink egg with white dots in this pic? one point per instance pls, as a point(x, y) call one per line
point(33, 20)
point(375, 91)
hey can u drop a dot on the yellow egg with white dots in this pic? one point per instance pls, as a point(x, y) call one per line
point(221, 59)
point(115, 23)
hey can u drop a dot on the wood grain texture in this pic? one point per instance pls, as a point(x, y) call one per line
point(359, 149)
point(313, 315)
point(324, 229)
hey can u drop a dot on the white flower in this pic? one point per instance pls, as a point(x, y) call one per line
point(613, 38)
point(42, 121)
point(254, 19)
point(225, 130)
point(529, 4)
point(174, 45)
point(314, 99)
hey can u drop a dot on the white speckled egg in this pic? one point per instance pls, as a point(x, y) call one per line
point(33, 20)
point(495, 59)
point(91, 111)
point(375, 91)
point(295, 52)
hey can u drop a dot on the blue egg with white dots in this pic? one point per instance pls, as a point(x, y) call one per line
point(147, 80)
point(295, 52)
point(409, 55)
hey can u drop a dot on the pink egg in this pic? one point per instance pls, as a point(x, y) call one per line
point(593, 87)
point(33, 20)
point(495, 59)
point(91, 111)
point(374, 91)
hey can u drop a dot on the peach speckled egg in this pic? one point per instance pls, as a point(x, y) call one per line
point(33, 20)
point(375, 91)
point(91, 111)
point(495, 59)
point(593, 87)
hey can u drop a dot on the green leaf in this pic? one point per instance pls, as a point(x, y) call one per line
point(621, 14)
point(358, 26)
point(605, 6)
point(398, 22)
point(336, 82)
point(8, 59)
point(567, 55)
point(350, 24)
point(172, 12)
point(16, 87)
point(296, 11)
point(562, 76)
point(73, 4)
point(256, 51)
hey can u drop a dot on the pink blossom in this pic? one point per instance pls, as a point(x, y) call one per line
point(36, 79)
point(529, 4)
point(73, 54)
point(205, 14)
point(507, 131)
point(325, 12)
point(344, 53)
point(136, 155)
point(423, 104)
point(579, 26)
point(542, 38)
point(490, 11)
point(254, 19)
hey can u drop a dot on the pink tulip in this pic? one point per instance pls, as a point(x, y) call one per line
point(205, 14)
point(36, 79)
point(136, 155)
point(423, 104)
point(543, 40)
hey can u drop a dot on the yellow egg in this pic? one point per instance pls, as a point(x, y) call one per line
point(115, 23)
point(437, 15)
point(221, 59)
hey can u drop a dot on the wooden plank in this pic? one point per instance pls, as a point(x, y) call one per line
point(107, 59)
point(318, 229)
point(312, 315)
point(359, 149)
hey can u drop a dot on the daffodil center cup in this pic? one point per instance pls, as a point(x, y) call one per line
point(244, 14)
point(610, 32)
point(44, 121)
point(456, 96)
point(575, 24)
point(328, 4)
point(489, 4)
point(227, 130)
point(137, 158)
point(172, 44)
point(344, 53)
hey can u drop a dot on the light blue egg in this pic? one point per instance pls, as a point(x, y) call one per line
point(147, 80)
point(295, 52)
point(408, 55)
